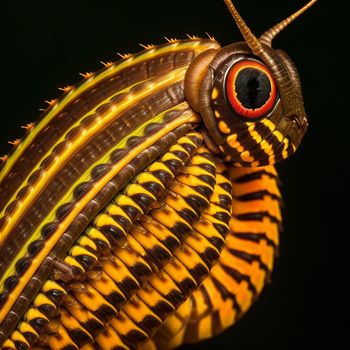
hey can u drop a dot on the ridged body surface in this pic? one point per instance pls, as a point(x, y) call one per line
point(120, 228)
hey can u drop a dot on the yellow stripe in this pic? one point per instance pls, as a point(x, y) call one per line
point(80, 140)
point(256, 137)
point(278, 135)
point(232, 139)
point(237, 146)
point(215, 93)
point(285, 147)
point(269, 124)
point(112, 70)
point(187, 117)
point(266, 147)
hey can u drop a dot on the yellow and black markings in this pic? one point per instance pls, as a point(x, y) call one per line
point(243, 266)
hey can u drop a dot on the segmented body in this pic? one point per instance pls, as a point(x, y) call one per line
point(114, 212)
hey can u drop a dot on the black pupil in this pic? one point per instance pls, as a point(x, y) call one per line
point(253, 88)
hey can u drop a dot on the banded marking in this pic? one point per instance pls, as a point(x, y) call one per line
point(127, 318)
point(37, 316)
point(257, 144)
point(243, 267)
point(22, 191)
point(132, 327)
point(219, 211)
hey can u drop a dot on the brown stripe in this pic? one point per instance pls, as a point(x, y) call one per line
point(254, 176)
point(257, 216)
point(255, 237)
point(257, 195)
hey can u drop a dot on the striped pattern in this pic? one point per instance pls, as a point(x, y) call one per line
point(69, 163)
point(81, 99)
point(252, 144)
point(89, 144)
point(243, 267)
point(120, 228)
point(130, 289)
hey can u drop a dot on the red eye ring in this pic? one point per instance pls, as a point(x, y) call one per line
point(232, 94)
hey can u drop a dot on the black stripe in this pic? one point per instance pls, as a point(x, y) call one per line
point(78, 336)
point(206, 297)
point(258, 216)
point(162, 309)
point(157, 256)
point(225, 294)
point(188, 215)
point(239, 277)
point(249, 258)
point(216, 326)
point(132, 338)
point(246, 140)
point(257, 195)
point(148, 324)
point(210, 256)
point(116, 299)
point(199, 272)
point(140, 271)
point(105, 313)
point(255, 237)
point(253, 176)
point(128, 287)
point(197, 203)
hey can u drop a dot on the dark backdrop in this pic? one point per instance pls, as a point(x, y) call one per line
point(45, 44)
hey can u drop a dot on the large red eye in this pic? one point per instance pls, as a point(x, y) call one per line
point(251, 89)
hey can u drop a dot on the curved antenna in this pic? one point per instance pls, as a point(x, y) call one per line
point(269, 35)
point(248, 36)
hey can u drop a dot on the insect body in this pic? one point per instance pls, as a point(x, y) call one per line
point(142, 210)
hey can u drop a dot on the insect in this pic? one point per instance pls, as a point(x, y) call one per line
point(142, 209)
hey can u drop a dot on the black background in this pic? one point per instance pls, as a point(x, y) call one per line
point(44, 44)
